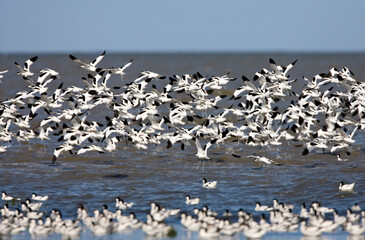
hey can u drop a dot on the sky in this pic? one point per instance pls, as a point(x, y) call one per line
point(47, 26)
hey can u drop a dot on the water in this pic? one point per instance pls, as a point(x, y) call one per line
point(167, 175)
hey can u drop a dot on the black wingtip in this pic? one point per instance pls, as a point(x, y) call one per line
point(213, 141)
point(236, 156)
point(271, 61)
point(293, 63)
point(33, 59)
point(244, 78)
point(72, 57)
point(54, 159)
point(169, 144)
point(305, 151)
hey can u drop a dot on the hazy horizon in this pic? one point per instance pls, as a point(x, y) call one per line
point(203, 26)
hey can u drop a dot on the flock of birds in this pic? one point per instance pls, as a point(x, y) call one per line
point(186, 110)
point(278, 217)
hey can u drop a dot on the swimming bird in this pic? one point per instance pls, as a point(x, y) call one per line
point(260, 207)
point(339, 219)
point(154, 228)
point(191, 223)
point(254, 232)
point(210, 232)
point(227, 213)
point(304, 212)
point(88, 66)
point(355, 229)
point(121, 204)
point(191, 201)
point(356, 207)
point(206, 184)
point(33, 206)
point(346, 187)
point(6, 197)
point(311, 231)
point(38, 229)
point(39, 198)
point(34, 215)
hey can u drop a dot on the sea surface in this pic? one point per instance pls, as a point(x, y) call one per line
point(167, 175)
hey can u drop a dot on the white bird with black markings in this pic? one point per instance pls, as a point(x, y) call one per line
point(39, 198)
point(265, 160)
point(281, 71)
point(63, 148)
point(191, 201)
point(90, 148)
point(346, 187)
point(211, 184)
point(25, 71)
point(6, 197)
point(202, 152)
point(118, 71)
point(121, 204)
point(88, 66)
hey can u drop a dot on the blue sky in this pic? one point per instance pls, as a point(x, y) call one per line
point(182, 26)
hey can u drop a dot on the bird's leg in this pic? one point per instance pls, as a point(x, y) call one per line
point(197, 168)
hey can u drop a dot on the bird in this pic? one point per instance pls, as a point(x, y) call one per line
point(25, 71)
point(202, 152)
point(33, 206)
point(119, 203)
point(33, 214)
point(206, 184)
point(90, 148)
point(88, 66)
point(191, 201)
point(346, 187)
point(210, 232)
point(6, 197)
point(265, 160)
point(63, 148)
point(281, 71)
point(2, 74)
point(254, 232)
point(356, 207)
point(354, 229)
point(227, 213)
point(39, 198)
point(117, 71)
point(312, 231)
point(260, 207)
point(341, 159)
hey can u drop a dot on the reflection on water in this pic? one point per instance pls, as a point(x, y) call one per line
point(167, 175)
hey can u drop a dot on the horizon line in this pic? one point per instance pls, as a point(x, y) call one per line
point(329, 52)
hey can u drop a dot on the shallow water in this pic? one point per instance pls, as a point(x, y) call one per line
point(167, 175)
